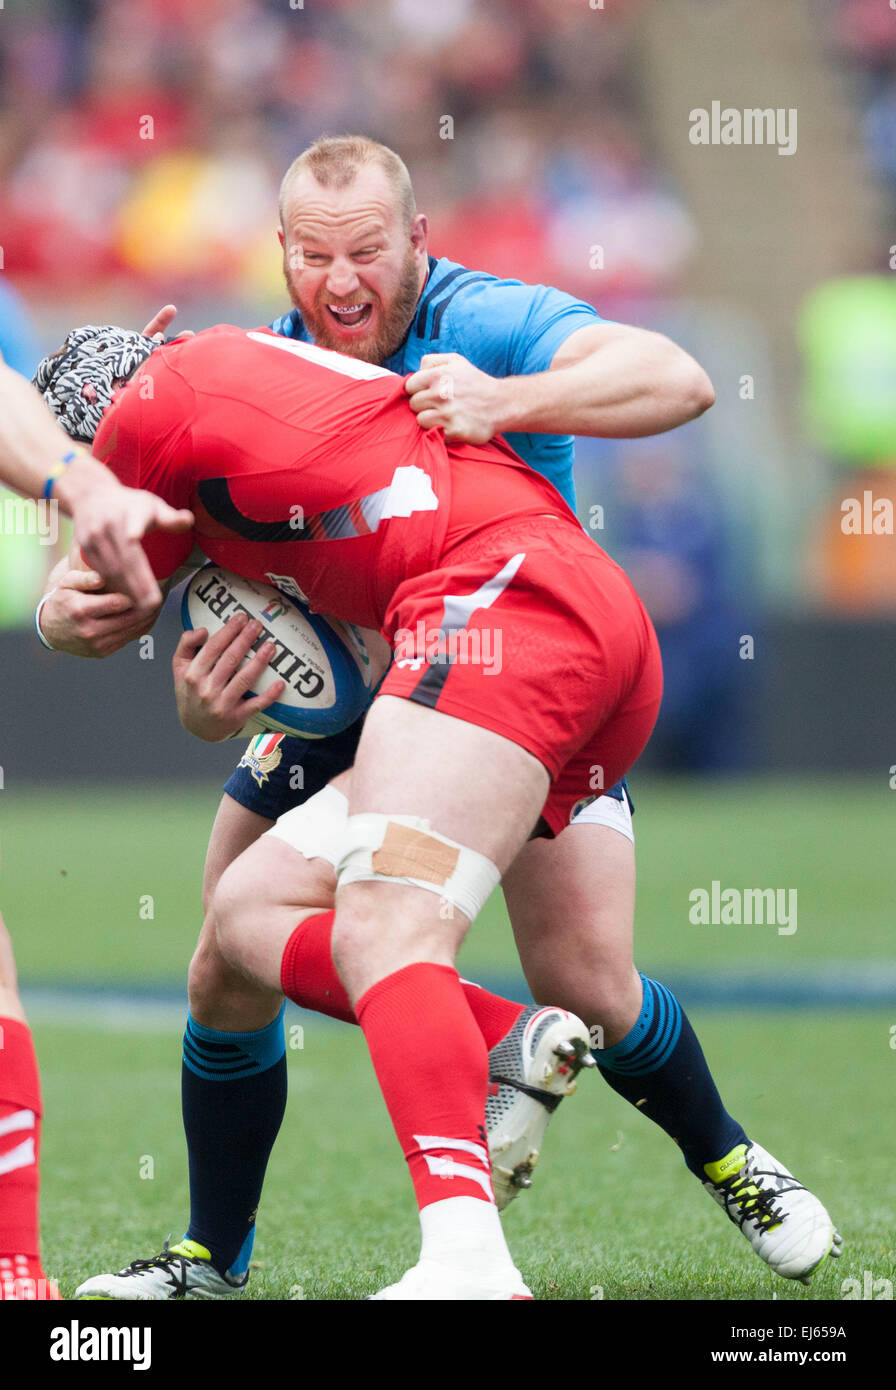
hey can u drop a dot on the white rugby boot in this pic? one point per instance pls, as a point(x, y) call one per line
point(463, 1257)
point(432, 1281)
point(181, 1271)
point(786, 1225)
point(530, 1071)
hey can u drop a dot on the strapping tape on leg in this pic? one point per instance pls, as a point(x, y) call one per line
point(316, 827)
point(405, 849)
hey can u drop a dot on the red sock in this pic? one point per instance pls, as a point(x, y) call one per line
point(308, 977)
point(21, 1276)
point(307, 974)
point(432, 1066)
point(494, 1015)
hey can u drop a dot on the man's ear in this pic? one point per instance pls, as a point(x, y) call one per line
point(280, 235)
point(419, 233)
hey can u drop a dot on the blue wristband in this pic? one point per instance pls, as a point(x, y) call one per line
point(58, 471)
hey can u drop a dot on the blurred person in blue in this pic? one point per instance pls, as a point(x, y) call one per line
point(668, 526)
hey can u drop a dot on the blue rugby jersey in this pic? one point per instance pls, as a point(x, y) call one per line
point(504, 327)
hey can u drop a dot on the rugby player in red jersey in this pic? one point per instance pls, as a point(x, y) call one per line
point(397, 530)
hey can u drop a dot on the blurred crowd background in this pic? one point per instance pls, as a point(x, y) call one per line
point(141, 147)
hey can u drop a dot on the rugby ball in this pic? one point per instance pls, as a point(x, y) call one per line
point(331, 667)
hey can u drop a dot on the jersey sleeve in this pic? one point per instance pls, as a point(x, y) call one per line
point(144, 438)
point(510, 329)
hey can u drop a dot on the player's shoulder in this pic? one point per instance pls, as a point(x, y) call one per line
point(449, 288)
point(456, 298)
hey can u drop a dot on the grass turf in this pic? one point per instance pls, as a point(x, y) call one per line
point(82, 871)
point(612, 1208)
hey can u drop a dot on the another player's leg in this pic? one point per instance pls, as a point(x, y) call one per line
point(233, 1096)
point(279, 914)
point(420, 856)
point(233, 1074)
point(583, 884)
point(268, 928)
point(21, 1274)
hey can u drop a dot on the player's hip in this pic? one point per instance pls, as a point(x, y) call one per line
point(534, 633)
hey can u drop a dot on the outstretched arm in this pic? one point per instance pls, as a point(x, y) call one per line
point(607, 379)
point(38, 458)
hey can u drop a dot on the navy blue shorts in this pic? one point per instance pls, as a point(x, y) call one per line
point(277, 772)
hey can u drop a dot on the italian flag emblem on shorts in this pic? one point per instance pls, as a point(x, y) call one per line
point(262, 756)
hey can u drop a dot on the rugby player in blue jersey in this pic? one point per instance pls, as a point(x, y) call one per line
point(485, 356)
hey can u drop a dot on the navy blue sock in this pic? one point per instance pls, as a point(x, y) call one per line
point(233, 1096)
point(660, 1068)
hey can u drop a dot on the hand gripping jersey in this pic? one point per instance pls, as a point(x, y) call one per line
point(304, 468)
point(504, 327)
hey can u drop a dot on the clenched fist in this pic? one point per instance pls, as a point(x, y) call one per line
point(449, 393)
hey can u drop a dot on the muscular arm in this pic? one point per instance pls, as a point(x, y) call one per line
point(606, 379)
point(609, 380)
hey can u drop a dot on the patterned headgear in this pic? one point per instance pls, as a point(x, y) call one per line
point(77, 381)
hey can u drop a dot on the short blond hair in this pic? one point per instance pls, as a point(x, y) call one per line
point(334, 161)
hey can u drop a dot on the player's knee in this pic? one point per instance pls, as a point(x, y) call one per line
point(406, 892)
point(601, 993)
point(211, 971)
point(231, 902)
point(360, 920)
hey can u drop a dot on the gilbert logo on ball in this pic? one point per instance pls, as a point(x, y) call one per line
point(330, 667)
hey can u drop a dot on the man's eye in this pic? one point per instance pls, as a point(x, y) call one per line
point(367, 252)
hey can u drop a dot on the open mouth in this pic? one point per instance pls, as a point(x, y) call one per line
point(350, 315)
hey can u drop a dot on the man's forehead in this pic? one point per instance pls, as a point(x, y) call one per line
point(366, 205)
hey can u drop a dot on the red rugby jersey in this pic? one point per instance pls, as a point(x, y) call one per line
point(304, 468)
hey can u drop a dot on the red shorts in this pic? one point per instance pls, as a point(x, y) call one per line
point(532, 631)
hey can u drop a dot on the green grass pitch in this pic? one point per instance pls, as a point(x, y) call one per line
point(613, 1211)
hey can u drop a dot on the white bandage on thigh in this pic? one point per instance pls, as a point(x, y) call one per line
point(315, 828)
point(606, 810)
point(404, 849)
